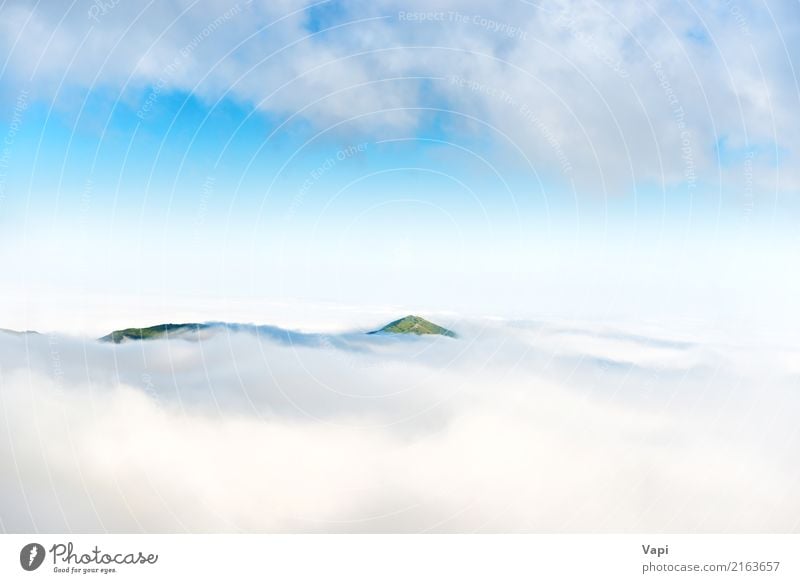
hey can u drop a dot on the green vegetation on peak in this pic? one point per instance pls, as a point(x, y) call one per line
point(414, 325)
point(151, 333)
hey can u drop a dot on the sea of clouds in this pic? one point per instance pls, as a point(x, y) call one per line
point(513, 426)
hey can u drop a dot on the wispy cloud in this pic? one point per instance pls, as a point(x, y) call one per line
point(623, 95)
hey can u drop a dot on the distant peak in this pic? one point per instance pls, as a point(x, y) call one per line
point(414, 325)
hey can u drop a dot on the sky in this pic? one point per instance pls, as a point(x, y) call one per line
point(625, 160)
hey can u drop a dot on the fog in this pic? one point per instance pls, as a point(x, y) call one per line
point(513, 426)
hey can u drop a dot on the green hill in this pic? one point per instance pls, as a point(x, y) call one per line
point(151, 333)
point(414, 325)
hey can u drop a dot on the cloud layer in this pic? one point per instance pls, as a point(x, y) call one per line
point(545, 427)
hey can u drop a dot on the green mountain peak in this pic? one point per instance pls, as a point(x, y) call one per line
point(414, 325)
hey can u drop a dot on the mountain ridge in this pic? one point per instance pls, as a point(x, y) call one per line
point(413, 325)
point(18, 332)
point(151, 332)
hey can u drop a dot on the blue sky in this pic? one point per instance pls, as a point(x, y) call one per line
point(447, 154)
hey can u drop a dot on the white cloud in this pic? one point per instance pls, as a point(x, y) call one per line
point(581, 75)
point(532, 427)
